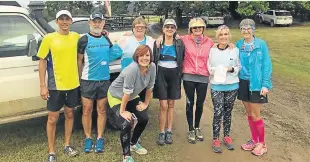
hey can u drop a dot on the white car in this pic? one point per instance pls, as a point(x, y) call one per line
point(214, 19)
point(20, 31)
point(276, 17)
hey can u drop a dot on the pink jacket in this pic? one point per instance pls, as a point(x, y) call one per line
point(196, 58)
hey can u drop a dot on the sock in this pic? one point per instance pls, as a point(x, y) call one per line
point(260, 127)
point(52, 153)
point(163, 132)
point(169, 130)
point(253, 129)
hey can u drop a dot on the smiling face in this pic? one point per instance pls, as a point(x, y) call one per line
point(144, 60)
point(169, 30)
point(223, 36)
point(64, 22)
point(139, 29)
point(247, 32)
point(197, 30)
point(96, 25)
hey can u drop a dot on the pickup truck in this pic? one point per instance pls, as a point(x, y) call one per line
point(276, 17)
point(21, 30)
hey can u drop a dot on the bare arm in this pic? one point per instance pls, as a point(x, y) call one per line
point(80, 63)
point(125, 100)
point(42, 73)
point(148, 96)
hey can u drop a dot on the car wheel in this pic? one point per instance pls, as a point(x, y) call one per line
point(272, 23)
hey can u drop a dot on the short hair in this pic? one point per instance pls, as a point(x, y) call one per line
point(219, 29)
point(141, 51)
point(139, 20)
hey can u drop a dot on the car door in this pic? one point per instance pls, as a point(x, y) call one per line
point(19, 78)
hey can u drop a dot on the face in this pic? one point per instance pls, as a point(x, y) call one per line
point(223, 37)
point(169, 30)
point(64, 22)
point(145, 59)
point(247, 32)
point(139, 30)
point(197, 30)
point(96, 25)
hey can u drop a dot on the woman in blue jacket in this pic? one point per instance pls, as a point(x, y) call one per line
point(255, 83)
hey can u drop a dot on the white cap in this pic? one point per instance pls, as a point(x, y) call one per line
point(63, 12)
point(170, 22)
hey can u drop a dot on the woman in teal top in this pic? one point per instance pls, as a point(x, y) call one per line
point(255, 83)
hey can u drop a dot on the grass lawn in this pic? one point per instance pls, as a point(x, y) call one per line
point(26, 140)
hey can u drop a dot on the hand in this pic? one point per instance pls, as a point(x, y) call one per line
point(159, 40)
point(264, 91)
point(229, 69)
point(126, 115)
point(177, 37)
point(128, 33)
point(141, 106)
point(44, 93)
point(231, 45)
point(105, 32)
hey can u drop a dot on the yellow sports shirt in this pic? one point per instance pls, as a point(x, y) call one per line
point(60, 51)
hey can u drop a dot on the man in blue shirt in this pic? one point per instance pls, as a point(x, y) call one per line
point(94, 50)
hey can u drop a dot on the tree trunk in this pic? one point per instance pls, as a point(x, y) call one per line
point(178, 14)
point(233, 5)
point(166, 14)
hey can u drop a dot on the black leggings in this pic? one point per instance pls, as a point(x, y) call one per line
point(223, 102)
point(201, 91)
point(125, 127)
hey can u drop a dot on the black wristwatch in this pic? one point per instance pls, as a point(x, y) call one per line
point(232, 70)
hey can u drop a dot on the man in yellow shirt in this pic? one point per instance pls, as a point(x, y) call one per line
point(58, 56)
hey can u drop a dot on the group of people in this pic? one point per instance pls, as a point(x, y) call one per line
point(152, 68)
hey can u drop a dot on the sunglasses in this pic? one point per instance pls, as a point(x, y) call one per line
point(169, 26)
point(246, 29)
point(140, 27)
point(197, 27)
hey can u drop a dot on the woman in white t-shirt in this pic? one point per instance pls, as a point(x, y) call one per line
point(223, 65)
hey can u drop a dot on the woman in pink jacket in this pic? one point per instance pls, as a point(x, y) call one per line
point(195, 74)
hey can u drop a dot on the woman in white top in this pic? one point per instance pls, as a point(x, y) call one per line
point(223, 65)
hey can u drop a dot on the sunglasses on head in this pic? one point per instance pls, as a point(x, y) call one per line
point(169, 26)
point(197, 27)
point(223, 27)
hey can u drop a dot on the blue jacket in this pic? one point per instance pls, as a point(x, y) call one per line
point(259, 65)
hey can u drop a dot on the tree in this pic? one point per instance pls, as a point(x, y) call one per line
point(247, 9)
point(119, 7)
point(75, 7)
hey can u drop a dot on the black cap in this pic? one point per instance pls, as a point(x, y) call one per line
point(97, 15)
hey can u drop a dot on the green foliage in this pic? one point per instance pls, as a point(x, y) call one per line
point(119, 7)
point(75, 7)
point(250, 8)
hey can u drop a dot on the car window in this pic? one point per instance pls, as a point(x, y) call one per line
point(270, 12)
point(80, 27)
point(15, 31)
point(283, 14)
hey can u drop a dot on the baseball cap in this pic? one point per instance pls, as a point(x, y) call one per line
point(63, 12)
point(170, 22)
point(247, 23)
point(96, 15)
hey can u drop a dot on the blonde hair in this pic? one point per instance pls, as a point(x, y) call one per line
point(139, 20)
point(219, 29)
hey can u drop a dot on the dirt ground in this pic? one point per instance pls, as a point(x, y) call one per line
point(287, 130)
